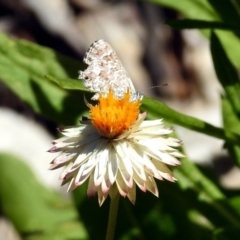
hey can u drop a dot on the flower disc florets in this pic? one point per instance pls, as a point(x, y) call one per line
point(112, 116)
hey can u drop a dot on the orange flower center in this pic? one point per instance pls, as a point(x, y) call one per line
point(112, 116)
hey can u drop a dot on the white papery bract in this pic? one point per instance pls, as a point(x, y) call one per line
point(136, 156)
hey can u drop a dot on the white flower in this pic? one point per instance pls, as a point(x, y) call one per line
point(117, 150)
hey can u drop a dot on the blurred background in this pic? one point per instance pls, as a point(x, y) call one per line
point(153, 55)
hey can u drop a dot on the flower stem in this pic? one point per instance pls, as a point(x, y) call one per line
point(112, 217)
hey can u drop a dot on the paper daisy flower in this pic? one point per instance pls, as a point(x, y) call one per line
point(116, 149)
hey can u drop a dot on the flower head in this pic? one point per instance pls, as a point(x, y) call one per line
point(116, 149)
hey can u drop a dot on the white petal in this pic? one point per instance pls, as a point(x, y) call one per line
point(65, 181)
point(137, 161)
point(112, 166)
point(86, 151)
point(167, 158)
point(151, 185)
point(61, 160)
point(72, 129)
point(65, 170)
point(76, 131)
point(63, 157)
point(100, 167)
point(121, 148)
point(73, 132)
point(151, 169)
point(102, 145)
point(124, 163)
point(132, 194)
point(123, 171)
point(156, 143)
point(87, 167)
point(69, 174)
point(177, 154)
point(140, 182)
point(139, 170)
point(101, 197)
point(151, 123)
point(71, 185)
point(59, 140)
point(92, 189)
point(106, 184)
point(122, 187)
point(164, 157)
point(139, 156)
point(173, 142)
point(145, 133)
point(163, 170)
point(82, 175)
point(87, 139)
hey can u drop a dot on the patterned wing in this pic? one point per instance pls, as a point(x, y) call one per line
point(105, 70)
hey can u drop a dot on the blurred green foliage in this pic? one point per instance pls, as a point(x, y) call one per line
point(194, 208)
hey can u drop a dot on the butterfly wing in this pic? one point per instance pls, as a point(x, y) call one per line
point(105, 70)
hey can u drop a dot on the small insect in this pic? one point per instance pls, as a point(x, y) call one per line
point(105, 71)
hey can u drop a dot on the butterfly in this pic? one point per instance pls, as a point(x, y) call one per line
point(106, 71)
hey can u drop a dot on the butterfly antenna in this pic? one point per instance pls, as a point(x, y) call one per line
point(163, 85)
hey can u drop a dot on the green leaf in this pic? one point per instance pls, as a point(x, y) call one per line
point(157, 109)
point(23, 66)
point(201, 24)
point(71, 84)
point(226, 10)
point(231, 122)
point(235, 201)
point(226, 233)
point(34, 210)
point(226, 73)
point(197, 9)
point(209, 11)
point(190, 177)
